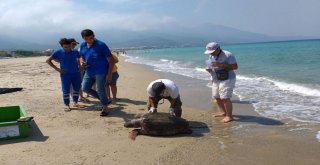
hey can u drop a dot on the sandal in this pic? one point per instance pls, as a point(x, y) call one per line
point(67, 109)
point(85, 100)
point(75, 105)
point(104, 113)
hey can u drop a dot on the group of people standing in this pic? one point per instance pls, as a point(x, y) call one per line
point(92, 69)
point(98, 65)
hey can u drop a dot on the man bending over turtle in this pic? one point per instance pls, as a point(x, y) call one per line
point(164, 89)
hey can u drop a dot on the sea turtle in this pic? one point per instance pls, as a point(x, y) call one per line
point(157, 124)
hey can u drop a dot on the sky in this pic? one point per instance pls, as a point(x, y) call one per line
point(38, 19)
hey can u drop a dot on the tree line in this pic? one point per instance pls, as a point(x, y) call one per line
point(23, 53)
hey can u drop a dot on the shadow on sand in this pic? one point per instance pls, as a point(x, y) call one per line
point(257, 119)
point(95, 105)
point(35, 134)
point(134, 102)
point(199, 129)
point(244, 102)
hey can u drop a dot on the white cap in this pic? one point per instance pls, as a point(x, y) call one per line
point(211, 47)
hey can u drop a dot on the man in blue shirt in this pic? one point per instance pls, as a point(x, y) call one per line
point(69, 71)
point(98, 61)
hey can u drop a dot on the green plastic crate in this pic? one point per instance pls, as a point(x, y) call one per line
point(14, 122)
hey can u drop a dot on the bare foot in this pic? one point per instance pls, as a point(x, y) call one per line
point(133, 134)
point(219, 115)
point(227, 119)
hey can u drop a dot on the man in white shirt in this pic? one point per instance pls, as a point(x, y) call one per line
point(221, 67)
point(164, 89)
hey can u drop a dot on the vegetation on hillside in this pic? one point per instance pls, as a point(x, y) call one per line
point(23, 53)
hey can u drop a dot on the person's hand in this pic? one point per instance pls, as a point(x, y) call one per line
point(209, 70)
point(59, 70)
point(171, 112)
point(109, 78)
point(219, 65)
point(83, 64)
point(152, 110)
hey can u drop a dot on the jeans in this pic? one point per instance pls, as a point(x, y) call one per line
point(67, 80)
point(100, 80)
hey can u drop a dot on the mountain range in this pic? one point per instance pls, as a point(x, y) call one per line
point(170, 36)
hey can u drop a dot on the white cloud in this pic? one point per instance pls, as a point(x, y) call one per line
point(198, 8)
point(42, 16)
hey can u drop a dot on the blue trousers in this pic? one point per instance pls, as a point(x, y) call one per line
point(68, 79)
point(100, 80)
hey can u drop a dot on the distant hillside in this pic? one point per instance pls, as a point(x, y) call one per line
point(7, 43)
point(179, 37)
point(171, 36)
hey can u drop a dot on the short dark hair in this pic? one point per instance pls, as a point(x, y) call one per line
point(157, 88)
point(64, 41)
point(87, 33)
point(73, 41)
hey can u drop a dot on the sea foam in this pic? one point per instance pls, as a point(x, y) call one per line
point(270, 97)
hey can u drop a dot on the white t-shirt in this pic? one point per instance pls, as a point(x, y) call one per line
point(171, 89)
point(225, 57)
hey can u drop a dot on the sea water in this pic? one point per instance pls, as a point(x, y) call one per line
point(280, 79)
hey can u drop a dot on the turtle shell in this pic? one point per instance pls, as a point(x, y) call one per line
point(162, 124)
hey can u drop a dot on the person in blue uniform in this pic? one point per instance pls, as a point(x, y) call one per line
point(97, 58)
point(69, 71)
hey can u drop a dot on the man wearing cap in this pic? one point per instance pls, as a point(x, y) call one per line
point(221, 61)
point(164, 89)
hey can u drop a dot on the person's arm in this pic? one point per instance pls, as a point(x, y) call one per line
point(82, 62)
point(174, 94)
point(115, 58)
point(151, 101)
point(111, 64)
point(228, 66)
point(173, 103)
point(232, 63)
point(49, 61)
point(209, 70)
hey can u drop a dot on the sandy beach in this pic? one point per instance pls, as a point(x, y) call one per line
point(83, 137)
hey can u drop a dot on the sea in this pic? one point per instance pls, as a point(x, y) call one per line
point(280, 79)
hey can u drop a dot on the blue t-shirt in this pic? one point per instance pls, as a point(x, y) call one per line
point(96, 57)
point(68, 60)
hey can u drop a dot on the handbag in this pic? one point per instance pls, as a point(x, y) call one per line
point(222, 74)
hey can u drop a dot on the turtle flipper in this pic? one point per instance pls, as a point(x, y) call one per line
point(133, 134)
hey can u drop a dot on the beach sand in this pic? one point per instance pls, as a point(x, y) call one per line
point(83, 137)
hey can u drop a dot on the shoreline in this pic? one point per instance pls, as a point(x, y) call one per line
point(82, 137)
point(244, 113)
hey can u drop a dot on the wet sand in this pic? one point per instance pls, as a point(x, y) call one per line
point(83, 137)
